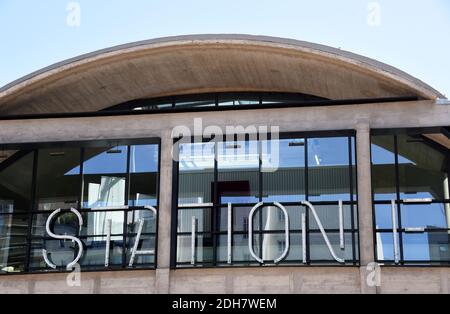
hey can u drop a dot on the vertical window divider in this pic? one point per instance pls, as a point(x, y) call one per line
point(399, 211)
point(352, 208)
point(260, 195)
point(81, 196)
point(127, 202)
point(217, 202)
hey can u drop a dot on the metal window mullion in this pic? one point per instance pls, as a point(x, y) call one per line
point(308, 247)
point(352, 197)
point(33, 192)
point(399, 212)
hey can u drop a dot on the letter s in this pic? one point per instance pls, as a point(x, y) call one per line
point(66, 237)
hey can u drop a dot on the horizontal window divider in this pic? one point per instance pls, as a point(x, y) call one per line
point(286, 204)
point(388, 202)
point(297, 232)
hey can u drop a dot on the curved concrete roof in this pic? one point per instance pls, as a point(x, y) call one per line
point(205, 63)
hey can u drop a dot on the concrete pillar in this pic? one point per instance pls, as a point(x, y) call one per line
point(165, 215)
point(367, 248)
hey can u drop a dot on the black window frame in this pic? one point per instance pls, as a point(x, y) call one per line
point(399, 201)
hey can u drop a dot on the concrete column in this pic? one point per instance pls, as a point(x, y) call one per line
point(367, 247)
point(165, 215)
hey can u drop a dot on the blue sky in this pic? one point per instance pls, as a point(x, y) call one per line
point(413, 35)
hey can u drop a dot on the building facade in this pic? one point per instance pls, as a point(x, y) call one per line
point(223, 164)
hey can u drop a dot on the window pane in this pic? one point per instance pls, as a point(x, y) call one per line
point(427, 246)
point(105, 177)
point(146, 243)
point(385, 246)
point(329, 217)
point(423, 169)
point(144, 175)
point(383, 216)
point(58, 179)
point(203, 216)
point(149, 218)
point(329, 169)
point(15, 183)
point(196, 173)
point(204, 249)
point(95, 254)
point(283, 167)
point(427, 216)
point(319, 250)
point(238, 166)
point(12, 254)
point(383, 168)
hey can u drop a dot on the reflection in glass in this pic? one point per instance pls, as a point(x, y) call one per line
point(15, 183)
point(143, 175)
point(58, 179)
point(385, 246)
point(433, 246)
point(328, 169)
point(104, 175)
point(196, 173)
point(423, 169)
point(319, 250)
point(94, 223)
point(283, 167)
point(383, 168)
point(146, 243)
point(12, 254)
point(238, 167)
point(428, 216)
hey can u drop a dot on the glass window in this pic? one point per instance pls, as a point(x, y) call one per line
point(238, 168)
point(249, 172)
point(196, 173)
point(104, 173)
point(283, 178)
point(383, 167)
point(58, 179)
point(423, 169)
point(328, 169)
point(16, 175)
point(112, 178)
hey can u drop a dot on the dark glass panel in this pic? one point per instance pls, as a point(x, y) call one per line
point(15, 183)
point(105, 177)
point(146, 243)
point(95, 254)
point(238, 100)
point(383, 167)
point(144, 167)
point(328, 169)
point(203, 216)
point(423, 168)
point(329, 217)
point(283, 167)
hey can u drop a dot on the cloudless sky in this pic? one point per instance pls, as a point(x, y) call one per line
point(413, 35)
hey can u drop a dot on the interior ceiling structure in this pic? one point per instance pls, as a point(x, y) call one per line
point(205, 64)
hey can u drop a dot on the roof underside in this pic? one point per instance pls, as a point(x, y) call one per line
point(205, 64)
